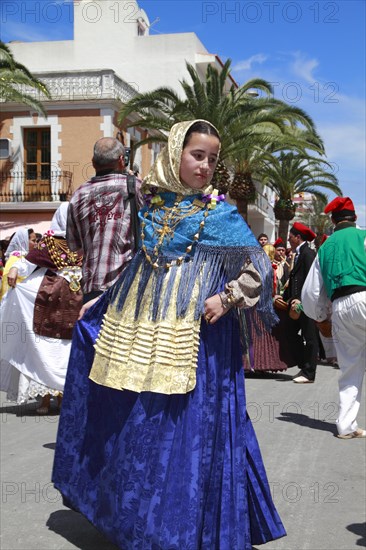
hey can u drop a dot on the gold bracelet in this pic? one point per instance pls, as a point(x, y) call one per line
point(227, 299)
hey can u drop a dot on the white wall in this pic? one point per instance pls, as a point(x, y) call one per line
point(106, 37)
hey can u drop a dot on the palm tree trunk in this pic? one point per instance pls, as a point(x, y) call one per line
point(283, 230)
point(242, 206)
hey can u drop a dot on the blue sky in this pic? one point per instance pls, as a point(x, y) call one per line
point(312, 51)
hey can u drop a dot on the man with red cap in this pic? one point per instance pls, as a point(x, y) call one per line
point(304, 347)
point(338, 278)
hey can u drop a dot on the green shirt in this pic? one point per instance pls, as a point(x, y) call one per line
point(342, 259)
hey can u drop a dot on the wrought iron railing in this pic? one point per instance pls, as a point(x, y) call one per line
point(14, 187)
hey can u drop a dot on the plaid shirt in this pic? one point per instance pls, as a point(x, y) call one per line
point(99, 225)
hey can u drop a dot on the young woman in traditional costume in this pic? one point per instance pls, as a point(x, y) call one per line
point(40, 313)
point(155, 446)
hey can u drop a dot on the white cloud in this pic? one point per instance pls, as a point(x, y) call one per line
point(361, 215)
point(345, 142)
point(339, 118)
point(345, 148)
point(50, 25)
point(29, 36)
point(246, 64)
point(303, 67)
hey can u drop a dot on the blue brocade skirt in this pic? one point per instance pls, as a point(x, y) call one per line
point(165, 472)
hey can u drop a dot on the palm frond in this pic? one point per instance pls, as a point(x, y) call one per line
point(15, 79)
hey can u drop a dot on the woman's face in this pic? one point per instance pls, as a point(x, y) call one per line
point(199, 159)
point(32, 240)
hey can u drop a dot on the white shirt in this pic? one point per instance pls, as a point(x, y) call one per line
point(314, 297)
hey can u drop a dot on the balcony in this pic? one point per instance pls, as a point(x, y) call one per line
point(261, 207)
point(79, 86)
point(14, 188)
point(262, 203)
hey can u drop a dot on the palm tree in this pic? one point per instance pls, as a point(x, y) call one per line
point(250, 128)
point(317, 220)
point(257, 151)
point(13, 76)
point(290, 173)
point(209, 100)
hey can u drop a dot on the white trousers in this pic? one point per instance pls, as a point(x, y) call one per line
point(349, 335)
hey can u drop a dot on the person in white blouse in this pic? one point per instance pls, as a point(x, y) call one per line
point(337, 280)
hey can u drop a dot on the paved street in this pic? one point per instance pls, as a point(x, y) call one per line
point(317, 480)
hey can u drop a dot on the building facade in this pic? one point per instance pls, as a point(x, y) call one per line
point(111, 58)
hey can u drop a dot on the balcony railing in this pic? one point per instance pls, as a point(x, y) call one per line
point(262, 204)
point(15, 188)
point(81, 85)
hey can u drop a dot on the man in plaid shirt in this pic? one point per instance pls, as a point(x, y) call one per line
point(100, 219)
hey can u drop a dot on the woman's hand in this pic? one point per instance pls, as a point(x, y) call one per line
point(214, 309)
point(12, 277)
point(87, 306)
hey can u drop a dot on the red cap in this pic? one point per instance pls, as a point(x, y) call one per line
point(339, 204)
point(306, 232)
point(279, 243)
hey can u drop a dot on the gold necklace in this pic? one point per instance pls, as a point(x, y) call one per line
point(62, 257)
point(165, 220)
point(60, 253)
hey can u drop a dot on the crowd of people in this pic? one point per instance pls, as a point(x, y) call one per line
point(324, 296)
point(140, 309)
point(296, 340)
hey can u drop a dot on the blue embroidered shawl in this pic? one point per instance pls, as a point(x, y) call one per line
point(225, 244)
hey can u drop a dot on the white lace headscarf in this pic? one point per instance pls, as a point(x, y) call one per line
point(59, 220)
point(19, 243)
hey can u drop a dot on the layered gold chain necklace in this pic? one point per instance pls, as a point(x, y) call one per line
point(165, 221)
point(65, 260)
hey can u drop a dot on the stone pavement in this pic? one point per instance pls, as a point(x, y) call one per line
point(317, 480)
